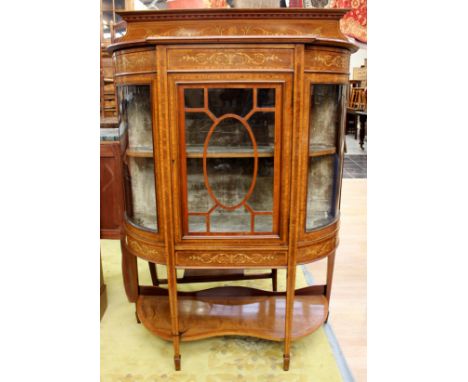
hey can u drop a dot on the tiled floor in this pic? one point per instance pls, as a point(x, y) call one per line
point(355, 164)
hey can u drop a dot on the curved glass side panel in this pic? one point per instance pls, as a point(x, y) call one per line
point(136, 129)
point(326, 118)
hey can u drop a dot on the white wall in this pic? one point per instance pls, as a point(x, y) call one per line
point(357, 59)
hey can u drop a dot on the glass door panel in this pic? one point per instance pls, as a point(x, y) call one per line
point(135, 111)
point(326, 118)
point(228, 159)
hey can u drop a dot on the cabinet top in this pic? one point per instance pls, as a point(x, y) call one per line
point(276, 25)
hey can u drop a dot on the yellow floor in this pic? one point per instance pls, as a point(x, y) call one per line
point(129, 352)
point(348, 308)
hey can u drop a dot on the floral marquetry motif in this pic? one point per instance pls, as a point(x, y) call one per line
point(317, 251)
point(230, 59)
point(142, 61)
point(321, 60)
point(146, 251)
point(231, 258)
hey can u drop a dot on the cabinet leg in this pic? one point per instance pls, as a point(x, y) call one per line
point(177, 362)
point(274, 279)
point(286, 359)
point(137, 319)
point(153, 273)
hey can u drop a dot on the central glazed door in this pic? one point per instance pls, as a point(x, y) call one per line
point(230, 158)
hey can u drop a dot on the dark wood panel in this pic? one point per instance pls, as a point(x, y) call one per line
point(111, 192)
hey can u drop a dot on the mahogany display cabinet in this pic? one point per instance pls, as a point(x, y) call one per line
point(232, 144)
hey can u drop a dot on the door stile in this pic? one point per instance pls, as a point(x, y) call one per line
point(297, 171)
point(167, 171)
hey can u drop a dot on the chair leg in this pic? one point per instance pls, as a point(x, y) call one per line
point(154, 273)
point(274, 279)
point(177, 356)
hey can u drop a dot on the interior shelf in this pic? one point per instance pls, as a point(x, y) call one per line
point(140, 153)
point(232, 311)
point(320, 150)
point(229, 152)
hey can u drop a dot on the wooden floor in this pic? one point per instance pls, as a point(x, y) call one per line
point(348, 308)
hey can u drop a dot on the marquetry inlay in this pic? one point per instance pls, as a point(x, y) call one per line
point(230, 59)
point(137, 62)
point(146, 251)
point(315, 251)
point(316, 60)
point(231, 258)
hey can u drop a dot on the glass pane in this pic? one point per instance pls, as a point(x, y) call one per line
point(325, 115)
point(218, 181)
point(222, 220)
point(266, 97)
point(135, 109)
point(262, 196)
point(141, 193)
point(197, 223)
point(263, 223)
point(263, 128)
point(198, 199)
point(230, 179)
point(321, 190)
point(194, 98)
point(326, 118)
point(230, 101)
point(197, 126)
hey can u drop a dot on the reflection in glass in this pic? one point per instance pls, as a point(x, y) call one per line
point(136, 106)
point(140, 192)
point(321, 191)
point(263, 128)
point(325, 115)
point(194, 98)
point(197, 126)
point(218, 198)
point(222, 220)
point(266, 97)
point(136, 128)
point(228, 100)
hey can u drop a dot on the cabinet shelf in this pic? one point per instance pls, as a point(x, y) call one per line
point(229, 152)
point(321, 150)
point(140, 153)
point(232, 311)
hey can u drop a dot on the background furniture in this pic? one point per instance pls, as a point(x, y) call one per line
point(232, 126)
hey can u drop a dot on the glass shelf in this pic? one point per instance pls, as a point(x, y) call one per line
point(321, 150)
point(229, 152)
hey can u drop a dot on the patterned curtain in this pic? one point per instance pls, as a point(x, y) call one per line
point(354, 23)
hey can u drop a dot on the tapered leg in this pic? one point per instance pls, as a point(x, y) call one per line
point(137, 318)
point(274, 279)
point(286, 359)
point(154, 273)
point(177, 361)
point(330, 268)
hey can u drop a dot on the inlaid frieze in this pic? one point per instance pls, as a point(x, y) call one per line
point(146, 251)
point(326, 61)
point(135, 62)
point(231, 258)
point(316, 251)
point(210, 59)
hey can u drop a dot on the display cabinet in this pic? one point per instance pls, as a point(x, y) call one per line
point(232, 145)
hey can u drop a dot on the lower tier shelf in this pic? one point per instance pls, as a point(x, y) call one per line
point(232, 311)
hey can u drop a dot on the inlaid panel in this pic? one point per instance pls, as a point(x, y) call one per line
point(326, 60)
point(229, 58)
point(231, 259)
point(135, 61)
